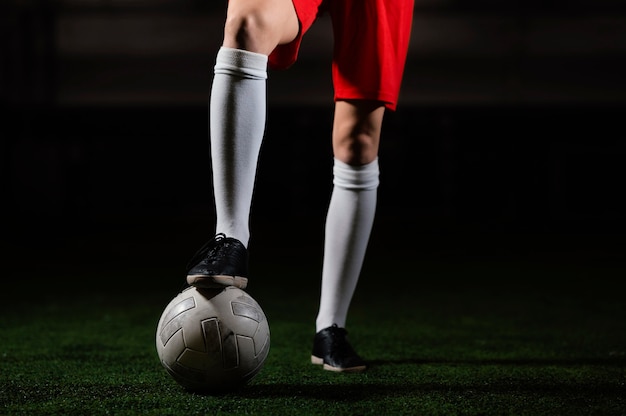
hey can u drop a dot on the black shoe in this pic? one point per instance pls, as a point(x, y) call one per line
point(332, 350)
point(222, 261)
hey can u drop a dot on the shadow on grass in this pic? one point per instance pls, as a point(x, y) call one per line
point(356, 392)
point(619, 361)
point(351, 388)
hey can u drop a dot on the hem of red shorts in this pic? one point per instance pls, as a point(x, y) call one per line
point(388, 100)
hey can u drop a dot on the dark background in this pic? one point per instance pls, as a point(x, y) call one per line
point(510, 124)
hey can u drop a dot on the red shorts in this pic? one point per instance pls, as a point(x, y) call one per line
point(371, 39)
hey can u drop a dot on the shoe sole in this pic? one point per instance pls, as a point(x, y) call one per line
point(320, 361)
point(212, 282)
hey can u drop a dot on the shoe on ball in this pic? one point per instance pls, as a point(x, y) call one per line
point(222, 261)
point(332, 350)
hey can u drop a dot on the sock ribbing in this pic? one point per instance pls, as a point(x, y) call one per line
point(245, 64)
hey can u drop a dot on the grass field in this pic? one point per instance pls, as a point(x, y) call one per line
point(451, 324)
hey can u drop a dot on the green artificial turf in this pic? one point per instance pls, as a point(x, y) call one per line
point(445, 335)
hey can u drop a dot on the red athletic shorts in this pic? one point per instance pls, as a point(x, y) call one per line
point(371, 39)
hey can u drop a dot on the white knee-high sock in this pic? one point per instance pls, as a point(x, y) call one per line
point(237, 125)
point(348, 226)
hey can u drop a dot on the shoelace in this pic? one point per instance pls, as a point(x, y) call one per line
point(212, 249)
point(338, 341)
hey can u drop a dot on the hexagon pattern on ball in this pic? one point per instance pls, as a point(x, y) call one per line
point(213, 340)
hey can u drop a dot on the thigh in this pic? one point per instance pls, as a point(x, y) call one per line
point(371, 44)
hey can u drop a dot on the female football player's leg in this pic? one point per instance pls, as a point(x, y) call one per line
point(356, 137)
point(252, 30)
point(370, 44)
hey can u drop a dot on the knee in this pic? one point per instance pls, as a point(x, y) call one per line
point(251, 30)
point(356, 131)
point(356, 149)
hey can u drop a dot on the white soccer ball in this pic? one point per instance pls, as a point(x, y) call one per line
point(213, 340)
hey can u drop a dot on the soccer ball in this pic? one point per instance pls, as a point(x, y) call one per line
point(213, 340)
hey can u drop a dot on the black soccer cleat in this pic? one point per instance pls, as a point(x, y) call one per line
point(221, 262)
point(332, 350)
